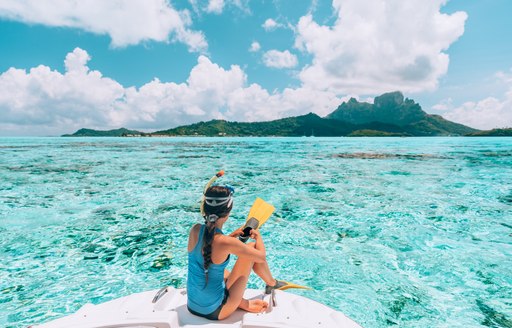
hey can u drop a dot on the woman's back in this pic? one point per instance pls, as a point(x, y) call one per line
point(204, 296)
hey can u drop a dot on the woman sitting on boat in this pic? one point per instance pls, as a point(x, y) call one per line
point(214, 292)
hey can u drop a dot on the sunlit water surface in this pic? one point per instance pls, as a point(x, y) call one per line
point(415, 232)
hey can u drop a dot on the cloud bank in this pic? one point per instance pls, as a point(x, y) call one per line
point(375, 46)
point(372, 47)
point(127, 22)
point(488, 113)
point(43, 101)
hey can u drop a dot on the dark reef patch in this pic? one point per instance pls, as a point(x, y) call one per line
point(493, 318)
point(507, 199)
point(388, 156)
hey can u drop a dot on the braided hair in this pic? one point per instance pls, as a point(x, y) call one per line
point(213, 211)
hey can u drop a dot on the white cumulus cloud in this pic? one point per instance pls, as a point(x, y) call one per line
point(270, 24)
point(127, 22)
point(218, 6)
point(488, 113)
point(42, 101)
point(215, 6)
point(46, 98)
point(485, 114)
point(255, 46)
point(76, 61)
point(375, 46)
point(444, 105)
point(279, 59)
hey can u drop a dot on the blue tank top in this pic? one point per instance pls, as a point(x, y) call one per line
point(204, 299)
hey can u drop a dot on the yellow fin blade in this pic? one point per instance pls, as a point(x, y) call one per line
point(261, 211)
point(290, 285)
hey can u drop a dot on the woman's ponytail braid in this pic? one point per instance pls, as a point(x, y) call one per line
point(209, 232)
point(212, 213)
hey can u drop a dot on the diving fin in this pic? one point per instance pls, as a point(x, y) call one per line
point(283, 285)
point(260, 211)
point(259, 214)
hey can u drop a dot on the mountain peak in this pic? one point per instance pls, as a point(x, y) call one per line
point(395, 98)
point(393, 109)
point(389, 108)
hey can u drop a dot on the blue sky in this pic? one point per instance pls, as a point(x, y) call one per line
point(156, 64)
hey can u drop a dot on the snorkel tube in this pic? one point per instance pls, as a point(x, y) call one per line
point(208, 185)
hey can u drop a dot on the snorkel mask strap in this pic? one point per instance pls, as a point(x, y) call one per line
point(218, 201)
point(211, 218)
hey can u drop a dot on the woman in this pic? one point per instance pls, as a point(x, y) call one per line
point(214, 292)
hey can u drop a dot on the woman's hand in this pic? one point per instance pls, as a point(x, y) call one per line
point(237, 233)
point(254, 234)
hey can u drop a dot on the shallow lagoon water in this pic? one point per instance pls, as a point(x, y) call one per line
point(414, 232)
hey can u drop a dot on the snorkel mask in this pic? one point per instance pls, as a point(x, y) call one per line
point(216, 201)
point(219, 201)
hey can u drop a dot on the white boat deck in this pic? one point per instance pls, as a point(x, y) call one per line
point(170, 311)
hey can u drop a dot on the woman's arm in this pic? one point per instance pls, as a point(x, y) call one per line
point(254, 251)
point(259, 245)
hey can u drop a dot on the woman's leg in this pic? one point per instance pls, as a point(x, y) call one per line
point(236, 284)
point(263, 271)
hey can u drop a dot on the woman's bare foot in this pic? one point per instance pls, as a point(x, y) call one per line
point(254, 306)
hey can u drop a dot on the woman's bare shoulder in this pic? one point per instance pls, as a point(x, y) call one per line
point(193, 236)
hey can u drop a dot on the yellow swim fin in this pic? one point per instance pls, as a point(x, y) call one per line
point(292, 285)
point(259, 214)
point(261, 211)
point(283, 285)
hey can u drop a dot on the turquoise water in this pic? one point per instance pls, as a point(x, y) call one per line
point(414, 232)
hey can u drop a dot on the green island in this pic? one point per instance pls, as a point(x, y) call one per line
point(391, 115)
point(506, 132)
point(122, 132)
